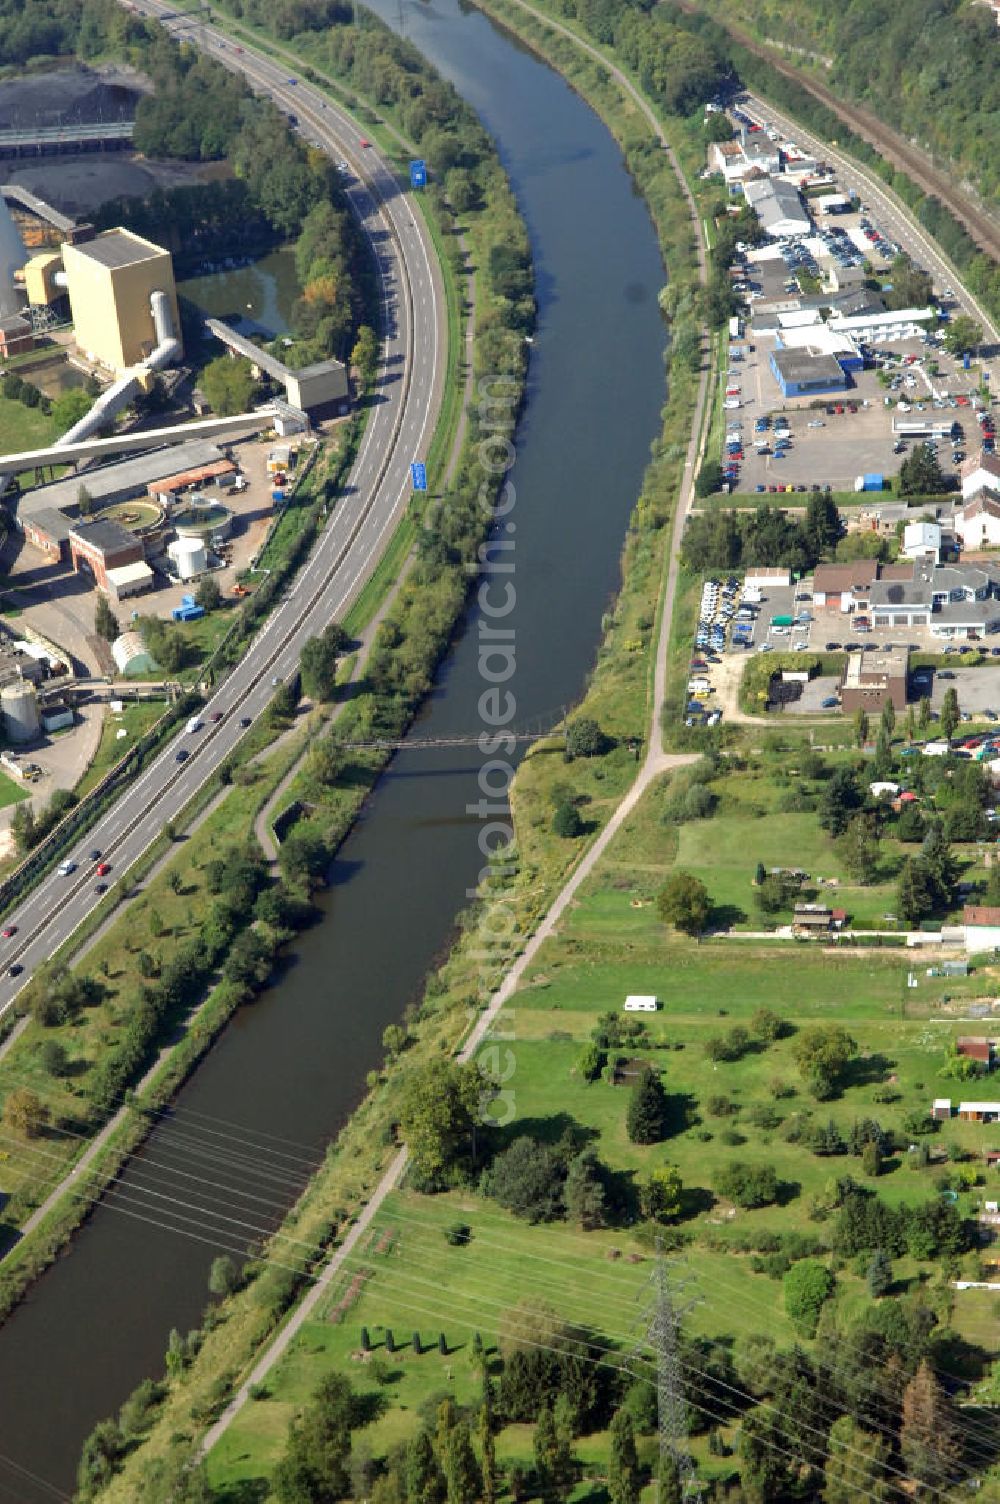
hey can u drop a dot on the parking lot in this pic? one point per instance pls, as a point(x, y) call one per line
point(827, 448)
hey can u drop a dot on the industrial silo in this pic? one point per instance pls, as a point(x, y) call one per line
point(19, 705)
point(12, 258)
point(189, 556)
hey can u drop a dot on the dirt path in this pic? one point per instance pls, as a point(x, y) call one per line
point(983, 228)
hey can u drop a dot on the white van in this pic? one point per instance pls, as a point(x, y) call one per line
point(194, 724)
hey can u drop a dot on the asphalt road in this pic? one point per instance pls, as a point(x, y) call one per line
point(886, 209)
point(361, 523)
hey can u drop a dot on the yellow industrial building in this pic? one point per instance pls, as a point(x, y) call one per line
point(111, 280)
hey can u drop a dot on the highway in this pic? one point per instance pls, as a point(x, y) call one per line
point(890, 214)
point(361, 523)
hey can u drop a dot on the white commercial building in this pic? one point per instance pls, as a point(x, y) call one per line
point(894, 323)
point(922, 540)
point(779, 206)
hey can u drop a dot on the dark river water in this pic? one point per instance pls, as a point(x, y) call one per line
point(290, 1068)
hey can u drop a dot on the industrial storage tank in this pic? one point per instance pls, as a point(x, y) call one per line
point(12, 259)
point(19, 705)
point(189, 556)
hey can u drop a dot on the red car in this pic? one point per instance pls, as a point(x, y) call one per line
point(103, 868)
point(9, 931)
point(364, 141)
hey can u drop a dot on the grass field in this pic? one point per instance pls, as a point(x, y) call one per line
point(23, 427)
point(11, 792)
point(135, 719)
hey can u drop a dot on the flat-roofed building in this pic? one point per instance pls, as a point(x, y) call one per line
point(873, 678)
point(807, 373)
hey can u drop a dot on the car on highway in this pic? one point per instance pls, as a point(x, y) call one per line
point(103, 868)
point(364, 141)
point(95, 855)
point(9, 931)
point(216, 716)
point(65, 869)
point(245, 721)
point(15, 970)
point(182, 755)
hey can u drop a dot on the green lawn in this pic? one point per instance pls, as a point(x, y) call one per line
point(23, 427)
point(135, 719)
point(11, 792)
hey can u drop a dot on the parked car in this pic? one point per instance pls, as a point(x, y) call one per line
point(830, 703)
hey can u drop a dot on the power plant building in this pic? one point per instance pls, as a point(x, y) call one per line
point(111, 280)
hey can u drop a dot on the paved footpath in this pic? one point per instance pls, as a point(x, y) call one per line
point(657, 762)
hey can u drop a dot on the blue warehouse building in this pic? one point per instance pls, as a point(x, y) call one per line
point(806, 373)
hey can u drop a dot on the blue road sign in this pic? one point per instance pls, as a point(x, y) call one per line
point(418, 173)
point(418, 474)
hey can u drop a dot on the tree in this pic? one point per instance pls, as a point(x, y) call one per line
point(84, 501)
point(661, 1197)
point(566, 821)
point(709, 479)
point(879, 1276)
point(858, 849)
point(646, 1121)
point(228, 384)
point(910, 825)
point(462, 1476)
point(53, 1057)
point(318, 662)
point(425, 1482)
point(584, 738)
point(304, 855)
point(553, 1455)
point(821, 526)
point(208, 595)
point(593, 1059)
point(364, 356)
point(223, 1277)
point(683, 901)
point(100, 1458)
point(316, 1462)
point(25, 1112)
point(924, 714)
point(438, 1107)
point(487, 1445)
point(858, 1466)
point(929, 1437)
point(583, 1192)
point(887, 720)
point(840, 798)
point(914, 891)
point(807, 1285)
point(861, 727)
point(624, 1483)
point(748, 1186)
point(105, 620)
point(920, 474)
point(939, 862)
point(822, 1053)
point(950, 712)
point(962, 335)
point(527, 1179)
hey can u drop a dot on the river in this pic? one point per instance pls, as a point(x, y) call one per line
point(289, 1069)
